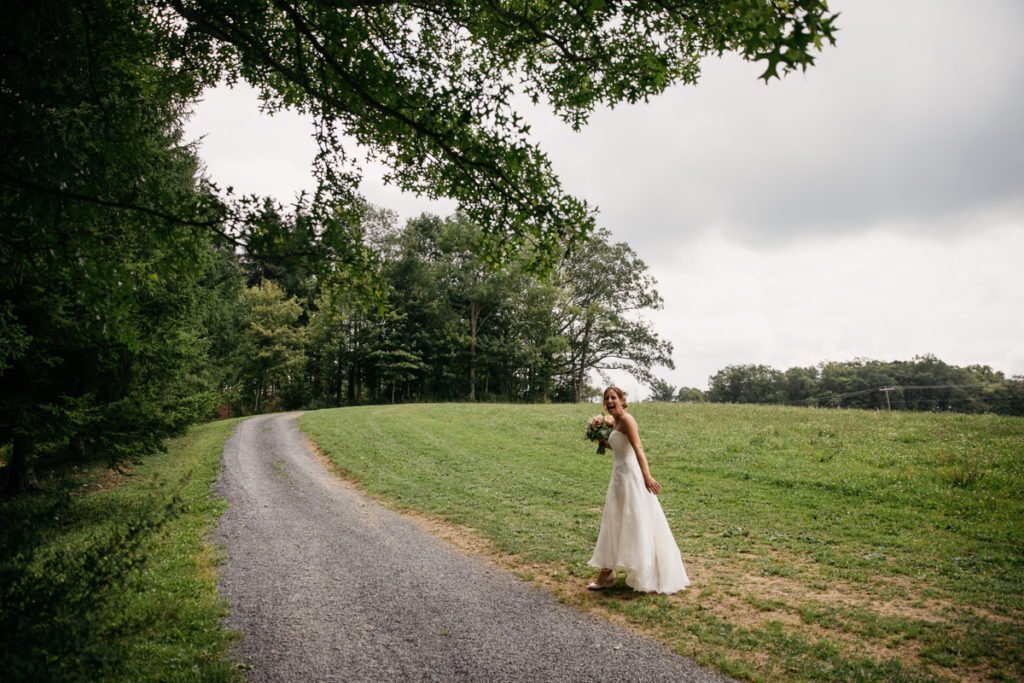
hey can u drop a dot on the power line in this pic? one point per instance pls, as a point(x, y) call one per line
point(828, 396)
point(887, 389)
point(946, 386)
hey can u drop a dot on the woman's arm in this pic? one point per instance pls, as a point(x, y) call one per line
point(633, 434)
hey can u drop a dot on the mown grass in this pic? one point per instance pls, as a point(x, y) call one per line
point(109, 577)
point(823, 545)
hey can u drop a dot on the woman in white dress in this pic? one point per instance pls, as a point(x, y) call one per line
point(634, 532)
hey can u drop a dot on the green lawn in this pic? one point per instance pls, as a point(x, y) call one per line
point(105, 577)
point(823, 544)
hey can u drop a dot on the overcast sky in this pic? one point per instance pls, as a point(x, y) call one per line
point(872, 207)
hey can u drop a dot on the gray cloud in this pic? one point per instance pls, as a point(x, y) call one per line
point(913, 119)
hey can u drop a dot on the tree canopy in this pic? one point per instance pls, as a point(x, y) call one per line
point(430, 88)
point(450, 328)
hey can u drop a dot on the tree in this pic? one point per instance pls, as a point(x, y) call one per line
point(392, 364)
point(662, 391)
point(104, 238)
point(226, 316)
point(474, 322)
point(276, 341)
point(430, 327)
point(327, 348)
point(427, 86)
point(605, 289)
point(800, 384)
point(476, 291)
point(690, 395)
point(855, 383)
point(525, 349)
point(746, 384)
point(1012, 402)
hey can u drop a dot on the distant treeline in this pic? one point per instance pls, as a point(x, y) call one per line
point(924, 383)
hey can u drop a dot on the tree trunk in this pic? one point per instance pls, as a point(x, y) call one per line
point(474, 320)
point(357, 384)
point(20, 477)
point(339, 377)
point(259, 396)
point(581, 375)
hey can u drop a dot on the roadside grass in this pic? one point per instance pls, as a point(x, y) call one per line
point(823, 544)
point(110, 577)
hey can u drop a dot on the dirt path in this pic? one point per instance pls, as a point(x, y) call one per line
point(325, 584)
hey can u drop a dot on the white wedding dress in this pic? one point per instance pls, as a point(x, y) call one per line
point(634, 532)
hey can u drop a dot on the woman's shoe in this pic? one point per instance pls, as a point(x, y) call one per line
point(601, 585)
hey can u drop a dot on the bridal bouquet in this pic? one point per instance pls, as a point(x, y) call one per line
point(599, 428)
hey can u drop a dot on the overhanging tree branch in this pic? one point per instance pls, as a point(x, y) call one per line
point(112, 203)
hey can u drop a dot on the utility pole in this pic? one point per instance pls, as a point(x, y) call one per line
point(886, 390)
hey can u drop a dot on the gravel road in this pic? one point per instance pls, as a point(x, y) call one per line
point(325, 584)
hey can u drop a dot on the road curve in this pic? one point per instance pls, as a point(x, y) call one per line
point(325, 584)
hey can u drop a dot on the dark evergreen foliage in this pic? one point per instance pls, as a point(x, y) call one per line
point(102, 252)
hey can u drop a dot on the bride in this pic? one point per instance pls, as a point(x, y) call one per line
point(634, 532)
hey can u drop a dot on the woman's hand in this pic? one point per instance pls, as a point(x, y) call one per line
point(652, 485)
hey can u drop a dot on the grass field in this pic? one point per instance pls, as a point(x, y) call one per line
point(106, 577)
point(823, 545)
